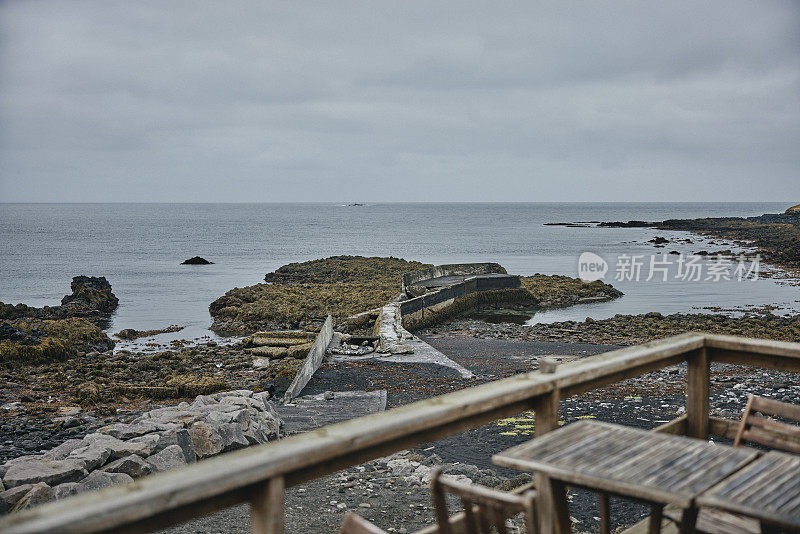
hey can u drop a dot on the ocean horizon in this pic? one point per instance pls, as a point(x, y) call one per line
point(138, 247)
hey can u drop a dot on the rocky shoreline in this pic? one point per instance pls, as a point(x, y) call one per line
point(628, 329)
point(776, 236)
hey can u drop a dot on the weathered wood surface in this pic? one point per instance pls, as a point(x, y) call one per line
point(267, 508)
point(677, 426)
point(458, 520)
point(708, 522)
point(769, 432)
point(355, 524)
point(697, 388)
point(630, 462)
point(767, 489)
point(725, 428)
point(766, 353)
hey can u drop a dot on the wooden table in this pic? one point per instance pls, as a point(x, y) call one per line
point(767, 489)
point(660, 469)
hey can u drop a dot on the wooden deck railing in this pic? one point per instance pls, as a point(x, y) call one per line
point(259, 475)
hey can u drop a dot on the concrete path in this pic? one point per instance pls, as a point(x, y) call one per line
point(315, 411)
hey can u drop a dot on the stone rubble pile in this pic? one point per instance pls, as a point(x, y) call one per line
point(158, 440)
point(416, 470)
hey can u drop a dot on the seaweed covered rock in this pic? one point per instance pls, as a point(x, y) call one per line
point(9, 333)
point(88, 393)
point(553, 291)
point(301, 295)
point(193, 385)
point(47, 341)
point(776, 236)
point(794, 209)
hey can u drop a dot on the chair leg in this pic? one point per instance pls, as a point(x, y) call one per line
point(656, 516)
point(470, 526)
point(499, 520)
point(605, 513)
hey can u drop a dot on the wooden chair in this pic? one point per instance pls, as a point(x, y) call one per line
point(769, 432)
point(753, 429)
point(355, 524)
point(484, 508)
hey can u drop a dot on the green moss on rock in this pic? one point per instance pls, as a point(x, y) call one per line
point(55, 341)
point(192, 385)
point(301, 295)
point(286, 369)
point(556, 290)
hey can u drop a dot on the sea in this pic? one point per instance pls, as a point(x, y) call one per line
point(139, 249)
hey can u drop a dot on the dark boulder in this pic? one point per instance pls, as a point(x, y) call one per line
point(8, 332)
point(197, 260)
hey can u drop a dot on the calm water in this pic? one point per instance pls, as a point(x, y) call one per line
point(139, 247)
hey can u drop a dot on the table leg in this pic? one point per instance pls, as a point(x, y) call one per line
point(767, 528)
point(553, 506)
point(605, 513)
point(688, 521)
point(656, 516)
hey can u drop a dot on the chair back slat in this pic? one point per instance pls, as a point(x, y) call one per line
point(484, 508)
point(776, 408)
point(355, 524)
point(769, 432)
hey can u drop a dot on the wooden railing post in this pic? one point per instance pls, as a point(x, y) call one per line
point(545, 408)
point(549, 496)
point(267, 507)
point(697, 391)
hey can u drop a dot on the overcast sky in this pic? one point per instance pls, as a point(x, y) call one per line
point(403, 101)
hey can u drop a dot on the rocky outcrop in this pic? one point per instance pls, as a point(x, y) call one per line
point(197, 260)
point(91, 296)
point(91, 299)
point(794, 209)
point(158, 440)
point(301, 295)
point(56, 333)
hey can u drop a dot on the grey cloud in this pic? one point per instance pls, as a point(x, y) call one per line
point(280, 101)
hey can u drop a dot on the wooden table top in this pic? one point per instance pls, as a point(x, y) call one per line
point(767, 489)
point(628, 461)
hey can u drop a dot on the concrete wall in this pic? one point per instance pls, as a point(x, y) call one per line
point(413, 310)
point(453, 269)
point(312, 361)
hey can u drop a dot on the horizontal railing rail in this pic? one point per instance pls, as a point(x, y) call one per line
point(260, 474)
